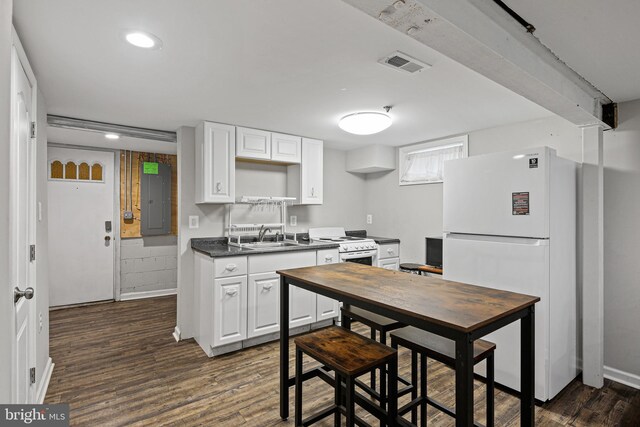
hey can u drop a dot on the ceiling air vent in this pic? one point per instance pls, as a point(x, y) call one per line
point(403, 62)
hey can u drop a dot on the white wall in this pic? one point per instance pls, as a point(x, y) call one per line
point(622, 242)
point(6, 302)
point(344, 196)
point(42, 243)
point(414, 212)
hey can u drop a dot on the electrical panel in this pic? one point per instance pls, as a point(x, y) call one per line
point(155, 199)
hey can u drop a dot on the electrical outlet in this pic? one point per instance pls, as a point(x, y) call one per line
point(293, 220)
point(40, 322)
point(194, 221)
point(128, 215)
point(369, 219)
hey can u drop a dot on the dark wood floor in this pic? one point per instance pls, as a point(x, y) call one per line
point(117, 364)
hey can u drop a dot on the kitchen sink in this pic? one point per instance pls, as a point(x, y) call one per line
point(266, 245)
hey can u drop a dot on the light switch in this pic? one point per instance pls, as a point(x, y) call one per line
point(194, 221)
point(293, 220)
point(369, 219)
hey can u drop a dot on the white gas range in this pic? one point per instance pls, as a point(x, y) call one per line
point(352, 249)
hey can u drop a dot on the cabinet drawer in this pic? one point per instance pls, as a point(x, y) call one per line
point(391, 250)
point(327, 256)
point(281, 261)
point(230, 266)
point(390, 264)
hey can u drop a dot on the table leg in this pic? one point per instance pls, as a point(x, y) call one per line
point(345, 321)
point(527, 369)
point(284, 348)
point(464, 381)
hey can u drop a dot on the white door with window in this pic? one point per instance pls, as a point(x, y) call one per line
point(81, 224)
point(22, 226)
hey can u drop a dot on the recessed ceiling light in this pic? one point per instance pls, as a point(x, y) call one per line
point(365, 123)
point(111, 136)
point(143, 40)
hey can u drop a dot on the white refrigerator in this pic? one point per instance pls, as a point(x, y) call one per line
point(510, 223)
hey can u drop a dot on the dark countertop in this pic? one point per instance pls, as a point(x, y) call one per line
point(378, 240)
point(217, 247)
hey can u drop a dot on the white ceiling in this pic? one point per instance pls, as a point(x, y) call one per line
point(597, 38)
point(293, 66)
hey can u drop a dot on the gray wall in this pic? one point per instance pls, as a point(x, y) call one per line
point(148, 264)
point(6, 308)
point(344, 200)
point(622, 241)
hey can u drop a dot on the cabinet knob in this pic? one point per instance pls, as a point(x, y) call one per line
point(267, 287)
point(231, 292)
point(218, 187)
point(328, 258)
point(312, 191)
point(231, 267)
point(390, 250)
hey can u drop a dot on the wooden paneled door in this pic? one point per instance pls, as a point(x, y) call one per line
point(81, 225)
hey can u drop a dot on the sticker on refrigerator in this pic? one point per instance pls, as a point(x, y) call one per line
point(533, 163)
point(520, 203)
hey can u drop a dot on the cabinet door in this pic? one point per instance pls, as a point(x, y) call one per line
point(215, 163)
point(253, 144)
point(286, 148)
point(311, 173)
point(327, 308)
point(264, 304)
point(230, 310)
point(390, 263)
point(302, 306)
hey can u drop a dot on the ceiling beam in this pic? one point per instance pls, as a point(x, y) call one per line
point(482, 36)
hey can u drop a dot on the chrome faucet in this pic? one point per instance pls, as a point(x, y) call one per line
point(262, 232)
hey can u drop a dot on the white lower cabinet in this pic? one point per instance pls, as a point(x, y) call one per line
point(302, 307)
point(263, 307)
point(237, 299)
point(389, 256)
point(230, 310)
point(327, 308)
point(390, 263)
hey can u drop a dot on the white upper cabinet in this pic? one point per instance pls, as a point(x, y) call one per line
point(286, 148)
point(253, 144)
point(304, 181)
point(215, 163)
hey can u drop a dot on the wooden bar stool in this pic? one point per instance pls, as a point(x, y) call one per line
point(409, 267)
point(428, 345)
point(349, 355)
point(376, 323)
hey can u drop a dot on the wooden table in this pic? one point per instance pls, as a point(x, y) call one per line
point(454, 310)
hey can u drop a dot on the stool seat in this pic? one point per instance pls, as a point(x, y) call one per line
point(410, 266)
point(344, 351)
point(439, 348)
point(371, 319)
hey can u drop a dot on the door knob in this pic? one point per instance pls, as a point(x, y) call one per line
point(107, 238)
point(17, 293)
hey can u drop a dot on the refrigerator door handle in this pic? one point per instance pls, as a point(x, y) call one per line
point(529, 241)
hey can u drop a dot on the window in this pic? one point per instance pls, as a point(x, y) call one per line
point(73, 171)
point(424, 163)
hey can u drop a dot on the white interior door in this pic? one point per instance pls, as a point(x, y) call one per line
point(81, 202)
point(22, 225)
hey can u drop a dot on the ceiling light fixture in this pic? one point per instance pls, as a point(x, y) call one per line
point(111, 136)
point(143, 40)
point(365, 123)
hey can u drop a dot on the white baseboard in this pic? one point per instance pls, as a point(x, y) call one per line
point(147, 294)
point(622, 377)
point(44, 381)
point(176, 334)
